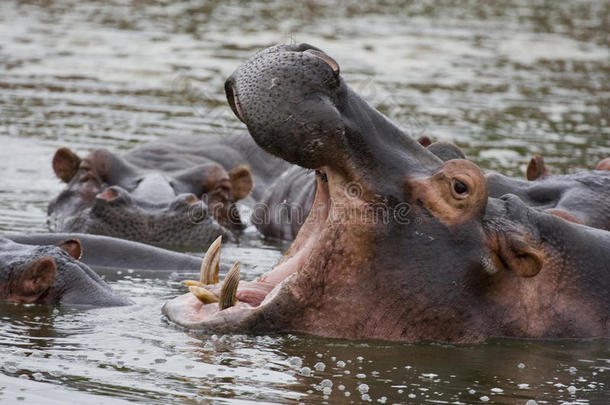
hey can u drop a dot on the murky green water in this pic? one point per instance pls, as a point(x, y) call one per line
point(502, 79)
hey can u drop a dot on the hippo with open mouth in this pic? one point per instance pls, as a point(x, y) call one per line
point(398, 245)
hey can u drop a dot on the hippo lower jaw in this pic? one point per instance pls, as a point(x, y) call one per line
point(268, 303)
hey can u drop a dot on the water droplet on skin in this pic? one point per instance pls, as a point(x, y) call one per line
point(572, 370)
point(327, 390)
point(521, 365)
point(497, 390)
point(411, 396)
point(484, 398)
point(360, 375)
point(572, 389)
point(382, 400)
point(340, 364)
point(531, 402)
point(341, 387)
point(366, 397)
point(320, 366)
point(326, 383)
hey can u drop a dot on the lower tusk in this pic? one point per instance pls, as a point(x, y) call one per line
point(191, 283)
point(203, 295)
point(228, 292)
point(211, 263)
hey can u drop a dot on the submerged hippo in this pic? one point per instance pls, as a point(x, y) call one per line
point(398, 245)
point(57, 268)
point(580, 197)
point(180, 205)
point(51, 275)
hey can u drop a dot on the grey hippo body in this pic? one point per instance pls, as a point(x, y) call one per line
point(425, 254)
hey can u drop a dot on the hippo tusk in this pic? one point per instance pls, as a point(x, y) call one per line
point(203, 295)
point(211, 262)
point(229, 288)
point(193, 283)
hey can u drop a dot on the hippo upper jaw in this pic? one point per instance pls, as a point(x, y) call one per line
point(297, 106)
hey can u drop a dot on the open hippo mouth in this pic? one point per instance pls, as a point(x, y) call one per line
point(398, 245)
point(235, 305)
point(296, 106)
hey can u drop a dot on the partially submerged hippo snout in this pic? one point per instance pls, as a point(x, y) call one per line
point(398, 244)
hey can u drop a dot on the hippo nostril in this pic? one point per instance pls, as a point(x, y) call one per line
point(232, 98)
point(330, 61)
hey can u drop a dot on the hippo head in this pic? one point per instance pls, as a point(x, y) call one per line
point(51, 275)
point(106, 195)
point(396, 245)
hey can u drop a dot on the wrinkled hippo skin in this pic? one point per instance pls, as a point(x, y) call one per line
point(103, 252)
point(46, 274)
point(420, 253)
point(160, 193)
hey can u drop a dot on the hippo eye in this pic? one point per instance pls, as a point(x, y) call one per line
point(459, 187)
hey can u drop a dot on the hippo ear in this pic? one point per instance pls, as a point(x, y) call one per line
point(603, 165)
point(536, 168)
point(72, 246)
point(65, 164)
point(34, 281)
point(424, 141)
point(515, 254)
point(242, 182)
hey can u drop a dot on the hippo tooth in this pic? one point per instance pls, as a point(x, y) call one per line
point(211, 263)
point(229, 288)
point(194, 283)
point(203, 295)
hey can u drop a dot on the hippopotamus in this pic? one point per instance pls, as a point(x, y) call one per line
point(155, 193)
point(581, 197)
point(398, 245)
point(51, 275)
point(58, 268)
